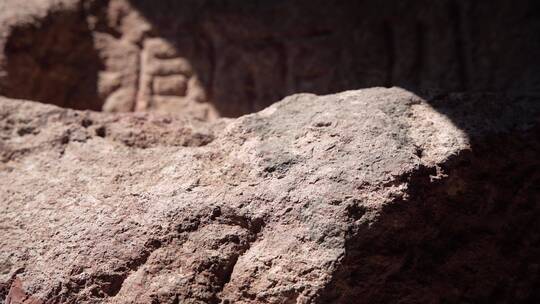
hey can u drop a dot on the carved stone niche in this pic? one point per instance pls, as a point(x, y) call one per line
point(212, 59)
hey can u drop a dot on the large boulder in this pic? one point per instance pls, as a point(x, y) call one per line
point(370, 196)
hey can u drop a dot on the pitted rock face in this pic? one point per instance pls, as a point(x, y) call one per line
point(316, 199)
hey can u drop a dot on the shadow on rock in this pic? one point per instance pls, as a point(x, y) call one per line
point(468, 230)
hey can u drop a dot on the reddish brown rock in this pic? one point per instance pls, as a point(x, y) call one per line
point(370, 196)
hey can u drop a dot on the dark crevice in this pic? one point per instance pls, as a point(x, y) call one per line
point(390, 49)
point(420, 53)
point(224, 276)
point(5, 286)
point(106, 285)
point(457, 23)
point(54, 62)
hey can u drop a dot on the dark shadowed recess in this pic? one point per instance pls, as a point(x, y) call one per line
point(473, 237)
point(54, 62)
point(250, 54)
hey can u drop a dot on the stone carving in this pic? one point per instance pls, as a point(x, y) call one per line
point(238, 60)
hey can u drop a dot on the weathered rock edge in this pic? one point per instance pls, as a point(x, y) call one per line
point(369, 196)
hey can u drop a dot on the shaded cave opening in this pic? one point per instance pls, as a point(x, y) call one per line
point(53, 62)
point(224, 59)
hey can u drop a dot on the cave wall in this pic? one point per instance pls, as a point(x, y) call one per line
point(228, 58)
point(53, 60)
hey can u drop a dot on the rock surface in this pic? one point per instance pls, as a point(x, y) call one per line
point(228, 58)
point(370, 196)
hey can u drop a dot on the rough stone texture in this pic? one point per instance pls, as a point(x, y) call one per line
point(371, 196)
point(238, 57)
